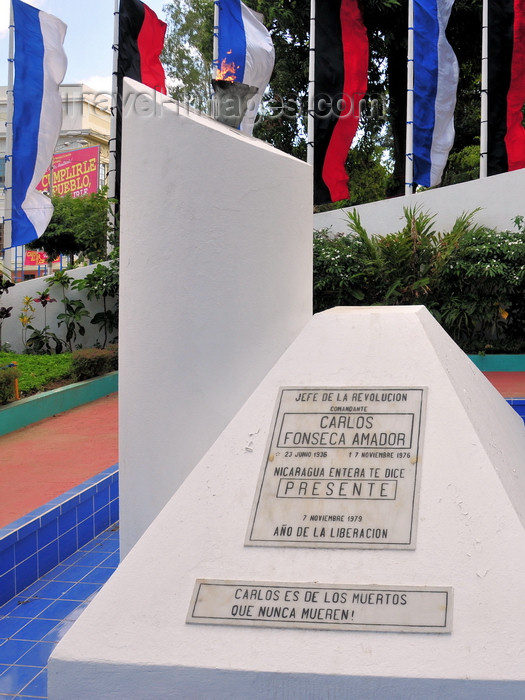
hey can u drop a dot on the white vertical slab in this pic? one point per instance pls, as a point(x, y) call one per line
point(216, 279)
point(470, 544)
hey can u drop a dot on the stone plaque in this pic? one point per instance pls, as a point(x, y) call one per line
point(322, 606)
point(341, 469)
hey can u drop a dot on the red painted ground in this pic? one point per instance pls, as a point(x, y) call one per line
point(510, 384)
point(43, 460)
point(46, 459)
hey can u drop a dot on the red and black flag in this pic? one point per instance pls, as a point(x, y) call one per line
point(140, 43)
point(141, 40)
point(506, 86)
point(341, 70)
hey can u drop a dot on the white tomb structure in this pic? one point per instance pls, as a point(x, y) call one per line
point(216, 282)
point(414, 589)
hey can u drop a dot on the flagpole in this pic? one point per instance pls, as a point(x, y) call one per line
point(311, 89)
point(215, 58)
point(483, 149)
point(114, 155)
point(409, 148)
point(8, 189)
point(113, 158)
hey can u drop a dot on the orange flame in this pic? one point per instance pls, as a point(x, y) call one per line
point(227, 70)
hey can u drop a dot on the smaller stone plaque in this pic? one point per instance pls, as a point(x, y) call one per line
point(322, 606)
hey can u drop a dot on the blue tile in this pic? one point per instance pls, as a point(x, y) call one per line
point(112, 560)
point(85, 531)
point(75, 558)
point(67, 520)
point(54, 589)
point(91, 558)
point(51, 575)
point(51, 515)
point(113, 511)
point(58, 610)
point(28, 526)
point(32, 589)
point(7, 558)
point(109, 545)
point(16, 678)
point(8, 606)
point(37, 655)
point(101, 498)
point(25, 547)
point(101, 520)
point(90, 488)
point(81, 591)
point(14, 649)
point(29, 607)
point(7, 586)
point(38, 686)
point(48, 533)
point(26, 573)
point(70, 501)
point(67, 544)
point(85, 509)
point(9, 626)
point(56, 634)
point(8, 536)
point(35, 630)
point(98, 575)
point(113, 490)
point(47, 558)
point(72, 573)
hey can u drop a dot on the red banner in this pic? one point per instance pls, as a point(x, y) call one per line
point(74, 173)
point(36, 257)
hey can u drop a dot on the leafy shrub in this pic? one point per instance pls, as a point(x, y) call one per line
point(7, 383)
point(92, 362)
point(482, 301)
point(37, 372)
point(471, 278)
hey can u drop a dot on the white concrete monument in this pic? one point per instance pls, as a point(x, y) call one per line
point(216, 282)
point(357, 531)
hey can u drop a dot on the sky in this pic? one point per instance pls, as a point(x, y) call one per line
point(88, 42)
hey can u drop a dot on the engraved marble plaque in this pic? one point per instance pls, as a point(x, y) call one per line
point(341, 469)
point(322, 606)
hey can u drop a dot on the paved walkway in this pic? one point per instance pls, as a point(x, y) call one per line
point(46, 459)
point(511, 385)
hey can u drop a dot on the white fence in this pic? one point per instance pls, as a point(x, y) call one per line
point(499, 199)
point(12, 330)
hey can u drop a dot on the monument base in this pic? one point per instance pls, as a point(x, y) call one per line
point(386, 560)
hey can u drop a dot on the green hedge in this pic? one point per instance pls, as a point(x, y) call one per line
point(8, 375)
point(471, 278)
point(93, 362)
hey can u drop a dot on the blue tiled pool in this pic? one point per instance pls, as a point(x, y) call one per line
point(34, 620)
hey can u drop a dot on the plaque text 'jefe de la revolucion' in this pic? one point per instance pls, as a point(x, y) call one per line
point(341, 469)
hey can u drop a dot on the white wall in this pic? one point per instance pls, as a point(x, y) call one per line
point(500, 199)
point(134, 640)
point(12, 328)
point(216, 276)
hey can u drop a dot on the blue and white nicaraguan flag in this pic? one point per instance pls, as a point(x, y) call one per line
point(40, 65)
point(246, 53)
point(436, 75)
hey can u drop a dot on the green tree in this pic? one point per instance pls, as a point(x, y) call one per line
point(188, 51)
point(79, 226)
